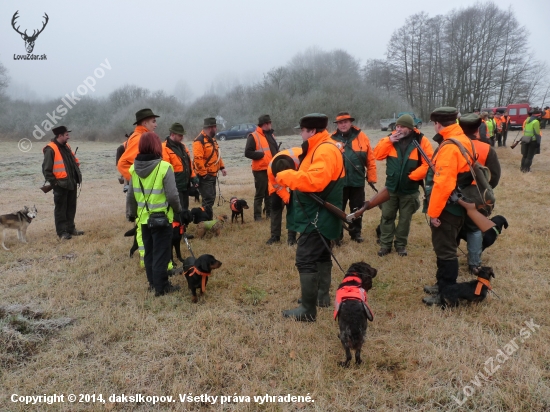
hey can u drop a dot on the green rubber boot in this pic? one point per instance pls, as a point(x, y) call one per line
point(325, 278)
point(307, 311)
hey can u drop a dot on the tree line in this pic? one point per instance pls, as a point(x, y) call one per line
point(469, 58)
point(473, 57)
point(312, 81)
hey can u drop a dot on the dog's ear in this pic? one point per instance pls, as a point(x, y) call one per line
point(491, 273)
point(373, 272)
point(505, 223)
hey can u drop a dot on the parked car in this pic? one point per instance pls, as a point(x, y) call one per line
point(239, 131)
point(386, 124)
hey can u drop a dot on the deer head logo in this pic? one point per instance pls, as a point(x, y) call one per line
point(29, 40)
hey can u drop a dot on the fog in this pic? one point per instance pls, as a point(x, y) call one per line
point(195, 47)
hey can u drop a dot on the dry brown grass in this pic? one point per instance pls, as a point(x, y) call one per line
point(124, 340)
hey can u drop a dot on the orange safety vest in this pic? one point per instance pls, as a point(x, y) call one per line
point(482, 151)
point(58, 165)
point(168, 155)
point(261, 146)
point(546, 114)
point(346, 292)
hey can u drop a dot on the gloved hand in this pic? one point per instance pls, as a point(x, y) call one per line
point(195, 181)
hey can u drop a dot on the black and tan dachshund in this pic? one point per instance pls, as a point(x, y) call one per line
point(473, 291)
point(197, 272)
point(237, 209)
point(352, 310)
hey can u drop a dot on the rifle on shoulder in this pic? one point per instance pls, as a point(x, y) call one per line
point(481, 221)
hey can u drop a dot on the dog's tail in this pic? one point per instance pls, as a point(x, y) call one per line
point(131, 232)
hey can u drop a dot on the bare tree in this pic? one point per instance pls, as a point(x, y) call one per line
point(4, 78)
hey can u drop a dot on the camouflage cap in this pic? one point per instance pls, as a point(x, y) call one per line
point(444, 114)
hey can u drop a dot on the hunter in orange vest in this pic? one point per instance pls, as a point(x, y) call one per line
point(62, 169)
point(545, 117)
point(146, 121)
point(207, 161)
point(487, 156)
point(261, 146)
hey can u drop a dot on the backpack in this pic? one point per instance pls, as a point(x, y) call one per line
point(121, 149)
point(481, 193)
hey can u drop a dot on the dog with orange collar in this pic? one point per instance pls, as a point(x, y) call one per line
point(352, 310)
point(197, 272)
point(473, 291)
point(237, 208)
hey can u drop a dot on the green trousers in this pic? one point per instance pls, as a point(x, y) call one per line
point(406, 205)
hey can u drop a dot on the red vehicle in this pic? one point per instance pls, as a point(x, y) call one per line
point(518, 114)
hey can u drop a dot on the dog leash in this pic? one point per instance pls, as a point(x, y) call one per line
point(188, 245)
point(220, 197)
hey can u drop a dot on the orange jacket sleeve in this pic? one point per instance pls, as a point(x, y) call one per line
point(371, 163)
point(383, 148)
point(198, 158)
point(446, 172)
point(327, 163)
point(421, 171)
point(128, 157)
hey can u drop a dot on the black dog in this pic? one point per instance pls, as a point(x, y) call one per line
point(197, 272)
point(194, 192)
point(177, 232)
point(201, 214)
point(490, 236)
point(237, 207)
point(129, 233)
point(352, 309)
point(473, 291)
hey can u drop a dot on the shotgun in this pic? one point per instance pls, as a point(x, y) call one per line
point(516, 142)
point(382, 196)
point(481, 221)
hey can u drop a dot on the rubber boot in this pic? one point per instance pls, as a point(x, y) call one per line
point(325, 278)
point(434, 289)
point(307, 311)
point(447, 275)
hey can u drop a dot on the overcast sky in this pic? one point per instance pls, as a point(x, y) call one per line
point(155, 44)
